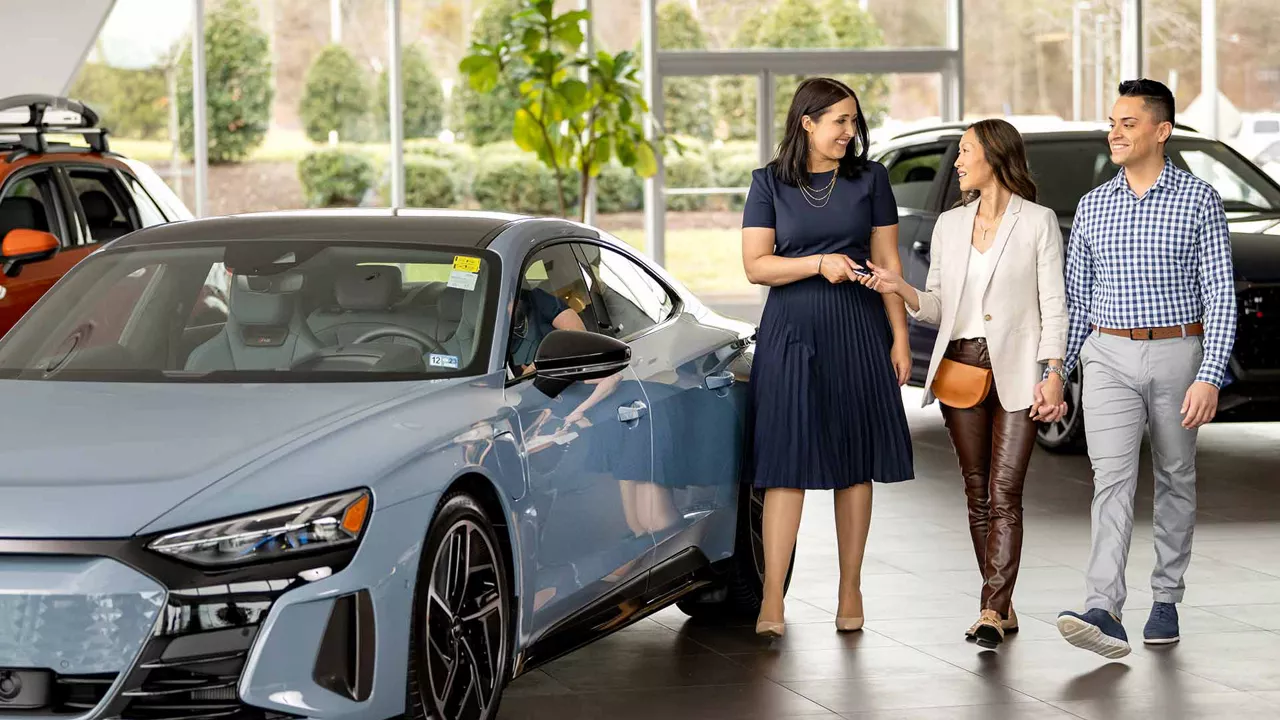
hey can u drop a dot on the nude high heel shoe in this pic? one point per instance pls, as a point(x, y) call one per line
point(767, 628)
point(849, 624)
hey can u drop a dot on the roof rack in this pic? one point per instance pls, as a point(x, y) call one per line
point(32, 133)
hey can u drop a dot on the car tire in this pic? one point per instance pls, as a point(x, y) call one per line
point(462, 618)
point(741, 587)
point(1066, 437)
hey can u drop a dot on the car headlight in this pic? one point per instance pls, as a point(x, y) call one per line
point(322, 524)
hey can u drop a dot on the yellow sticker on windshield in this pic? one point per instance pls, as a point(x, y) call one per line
point(466, 264)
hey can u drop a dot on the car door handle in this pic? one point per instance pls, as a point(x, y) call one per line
point(633, 412)
point(921, 246)
point(720, 380)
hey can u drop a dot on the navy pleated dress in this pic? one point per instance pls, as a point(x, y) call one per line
point(827, 407)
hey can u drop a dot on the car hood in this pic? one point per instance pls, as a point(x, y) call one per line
point(108, 458)
point(1255, 249)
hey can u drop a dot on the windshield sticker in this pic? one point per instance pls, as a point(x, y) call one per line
point(466, 264)
point(463, 280)
point(444, 361)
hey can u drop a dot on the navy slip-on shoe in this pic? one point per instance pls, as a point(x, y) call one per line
point(1096, 631)
point(1162, 626)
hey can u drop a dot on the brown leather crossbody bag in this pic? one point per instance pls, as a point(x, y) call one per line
point(959, 385)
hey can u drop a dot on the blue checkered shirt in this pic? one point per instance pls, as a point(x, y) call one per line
point(1156, 261)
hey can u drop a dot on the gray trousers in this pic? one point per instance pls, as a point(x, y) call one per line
point(1131, 386)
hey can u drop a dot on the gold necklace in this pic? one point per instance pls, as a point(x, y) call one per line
point(811, 195)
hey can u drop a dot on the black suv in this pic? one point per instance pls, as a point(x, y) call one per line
point(1068, 160)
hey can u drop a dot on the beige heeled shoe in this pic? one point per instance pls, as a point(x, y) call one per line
point(850, 624)
point(768, 629)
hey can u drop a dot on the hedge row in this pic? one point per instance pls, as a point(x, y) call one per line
point(502, 177)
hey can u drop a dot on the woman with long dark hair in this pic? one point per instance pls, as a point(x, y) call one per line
point(830, 354)
point(995, 291)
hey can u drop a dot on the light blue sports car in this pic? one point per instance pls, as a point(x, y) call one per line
point(358, 464)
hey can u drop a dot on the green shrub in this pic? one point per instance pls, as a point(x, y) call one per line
point(335, 177)
point(238, 82)
point(456, 154)
point(619, 189)
point(421, 94)
point(736, 172)
point(131, 103)
point(336, 97)
point(808, 24)
point(519, 184)
point(691, 170)
point(428, 183)
point(488, 117)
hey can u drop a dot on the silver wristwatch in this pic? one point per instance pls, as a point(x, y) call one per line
point(1058, 370)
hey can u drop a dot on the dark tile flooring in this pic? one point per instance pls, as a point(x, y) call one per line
point(921, 586)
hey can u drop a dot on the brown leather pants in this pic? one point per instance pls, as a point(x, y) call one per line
point(993, 447)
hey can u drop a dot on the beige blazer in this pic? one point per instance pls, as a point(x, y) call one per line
point(1024, 302)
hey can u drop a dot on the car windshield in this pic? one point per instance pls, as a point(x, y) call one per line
point(1064, 170)
point(260, 311)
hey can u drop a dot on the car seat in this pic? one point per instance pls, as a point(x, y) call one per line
point(264, 329)
point(366, 297)
point(100, 213)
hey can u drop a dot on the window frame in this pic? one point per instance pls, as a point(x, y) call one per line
point(56, 191)
point(82, 220)
point(677, 302)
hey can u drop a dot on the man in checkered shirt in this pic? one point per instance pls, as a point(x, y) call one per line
point(1152, 310)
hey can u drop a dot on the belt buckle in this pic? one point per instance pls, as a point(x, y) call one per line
point(1139, 333)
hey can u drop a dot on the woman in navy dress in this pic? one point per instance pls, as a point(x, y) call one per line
point(831, 354)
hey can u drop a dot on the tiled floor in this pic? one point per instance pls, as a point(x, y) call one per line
point(920, 587)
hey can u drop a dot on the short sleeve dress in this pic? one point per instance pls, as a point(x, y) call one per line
point(827, 407)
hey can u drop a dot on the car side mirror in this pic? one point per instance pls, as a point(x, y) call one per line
point(569, 356)
point(22, 246)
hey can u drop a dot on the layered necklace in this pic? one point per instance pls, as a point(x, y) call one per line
point(819, 198)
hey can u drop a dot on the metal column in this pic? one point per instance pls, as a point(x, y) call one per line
point(1099, 71)
point(1132, 49)
point(1077, 61)
point(1209, 62)
point(655, 202)
point(200, 112)
point(589, 45)
point(952, 104)
point(394, 97)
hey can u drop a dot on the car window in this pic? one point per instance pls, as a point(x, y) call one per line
point(550, 284)
point(148, 212)
point(912, 172)
point(1064, 171)
point(30, 202)
point(261, 310)
point(1226, 181)
point(632, 298)
point(108, 211)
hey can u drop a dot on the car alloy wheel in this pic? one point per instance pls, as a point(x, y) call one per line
point(462, 627)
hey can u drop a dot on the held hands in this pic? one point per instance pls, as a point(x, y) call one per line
point(1200, 405)
point(1049, 406)
point(837, 268)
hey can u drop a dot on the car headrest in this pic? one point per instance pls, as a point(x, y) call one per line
point(98, 208)
point(368, 287)
point(450, 306)
point(22, 212)
point(264, 299)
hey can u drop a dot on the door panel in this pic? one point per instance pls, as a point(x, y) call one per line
point(31, 200)
point(585, 449)
point(698, 412)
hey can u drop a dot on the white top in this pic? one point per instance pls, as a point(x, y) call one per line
point(969, 320)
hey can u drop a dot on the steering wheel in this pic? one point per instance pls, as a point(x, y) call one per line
point(428, 343)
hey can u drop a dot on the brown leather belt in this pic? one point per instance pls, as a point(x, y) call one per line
point(1160, 333)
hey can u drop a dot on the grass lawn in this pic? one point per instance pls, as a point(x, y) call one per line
point(707, 261)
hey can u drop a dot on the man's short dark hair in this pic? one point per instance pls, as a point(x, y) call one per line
point(1157, 97)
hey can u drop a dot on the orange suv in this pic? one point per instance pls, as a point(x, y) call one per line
point(59, 201)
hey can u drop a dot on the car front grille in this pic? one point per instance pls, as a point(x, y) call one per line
point(191, 668)
point(78, 694)
point(1257, 344)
